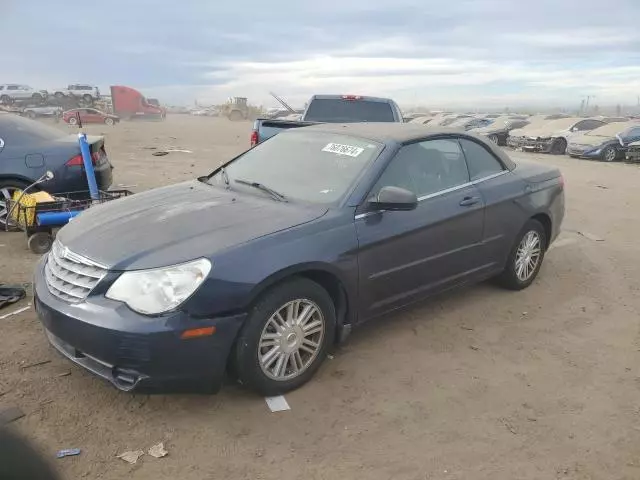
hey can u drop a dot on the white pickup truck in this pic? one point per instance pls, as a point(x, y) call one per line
point(86, 92)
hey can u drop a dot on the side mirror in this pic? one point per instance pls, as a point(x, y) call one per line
point(394, 198)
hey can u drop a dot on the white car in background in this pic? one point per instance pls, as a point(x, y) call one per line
point(10, 92)
point(86, 92)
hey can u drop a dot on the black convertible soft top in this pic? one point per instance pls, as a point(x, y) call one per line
point(404, 133)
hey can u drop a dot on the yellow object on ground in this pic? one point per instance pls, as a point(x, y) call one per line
point(24, 214)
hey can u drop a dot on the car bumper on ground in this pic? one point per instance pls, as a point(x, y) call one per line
point(133, 351)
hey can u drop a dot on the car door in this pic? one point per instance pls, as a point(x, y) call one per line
point(92, 116)
point(500, 190)
point(406, 255)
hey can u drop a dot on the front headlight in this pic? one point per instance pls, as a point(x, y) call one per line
point(160, 289)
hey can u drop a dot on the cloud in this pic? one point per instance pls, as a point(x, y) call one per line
point(462, 53)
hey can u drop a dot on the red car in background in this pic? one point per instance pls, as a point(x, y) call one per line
point(89, 115)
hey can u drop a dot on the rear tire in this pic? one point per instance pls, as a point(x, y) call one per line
point(72, 121)
point(525, 258)
point(609, 154)
point(108, 121)
point(6, 100)
point(281, 346)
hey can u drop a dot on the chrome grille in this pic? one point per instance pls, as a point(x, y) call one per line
point(69, 276)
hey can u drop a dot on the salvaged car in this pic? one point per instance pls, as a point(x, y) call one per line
point(608, 143)
point(517, 136)
point(498, 130)
point(258, 268)
point(553, 137)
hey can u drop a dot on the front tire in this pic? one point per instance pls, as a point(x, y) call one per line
point(525, 258)
point(108, 121)
point(559, 146)
point(285, 338)
point(609, 154)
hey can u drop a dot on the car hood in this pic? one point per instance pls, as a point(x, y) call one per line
point(593, 140)
point(542, 132)
point(178, 223)
point(489, 129)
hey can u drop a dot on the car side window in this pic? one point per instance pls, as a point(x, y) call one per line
point(589, 124)
point(481, 161)
point(425, 168)
point(12, 87)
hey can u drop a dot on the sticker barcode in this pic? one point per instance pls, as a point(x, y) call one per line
point(343, 149)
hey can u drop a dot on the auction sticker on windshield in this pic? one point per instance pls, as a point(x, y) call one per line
point(343, 149)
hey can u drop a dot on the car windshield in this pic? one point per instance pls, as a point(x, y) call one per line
point(337, 110)
point(313, 167)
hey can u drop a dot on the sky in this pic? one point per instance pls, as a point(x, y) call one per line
point(440, 54)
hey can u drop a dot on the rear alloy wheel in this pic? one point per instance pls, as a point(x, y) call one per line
point(559, 146)
point(108, 121)
point(285, 338)
point(609, 154)
point(525, 258)
point(7, 189)
point(73, 120)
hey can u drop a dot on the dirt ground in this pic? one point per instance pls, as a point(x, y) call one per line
point(478, 384)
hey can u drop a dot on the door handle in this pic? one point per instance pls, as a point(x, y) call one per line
point(468, 201)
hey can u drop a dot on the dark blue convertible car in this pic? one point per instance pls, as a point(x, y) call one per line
point(258, 268)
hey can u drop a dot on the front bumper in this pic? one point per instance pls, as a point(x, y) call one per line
point(534, 145)
point(132, 351)
point(582, 152)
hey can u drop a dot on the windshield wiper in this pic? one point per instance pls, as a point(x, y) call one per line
point(277, 195)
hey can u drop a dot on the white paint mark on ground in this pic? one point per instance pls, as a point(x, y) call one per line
point(277, 404)
point(15, 312)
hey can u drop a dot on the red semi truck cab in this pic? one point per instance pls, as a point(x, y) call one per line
point(130, 103)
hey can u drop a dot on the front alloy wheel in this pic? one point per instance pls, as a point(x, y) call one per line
point(291, 340)
point(285, 338)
